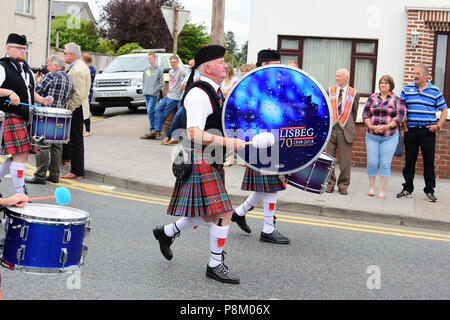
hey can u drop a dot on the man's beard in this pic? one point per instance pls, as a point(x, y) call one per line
point(20, 59)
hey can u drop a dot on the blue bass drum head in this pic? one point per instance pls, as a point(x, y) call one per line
point(286, 102)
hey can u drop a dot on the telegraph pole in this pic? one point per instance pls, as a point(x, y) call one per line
point(217, 22)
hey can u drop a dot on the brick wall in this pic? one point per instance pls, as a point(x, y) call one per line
point(442, 158)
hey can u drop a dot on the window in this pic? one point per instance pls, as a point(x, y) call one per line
point(23, 6)
point(321, 57)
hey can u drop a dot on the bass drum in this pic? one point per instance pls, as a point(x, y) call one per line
point(290, 104)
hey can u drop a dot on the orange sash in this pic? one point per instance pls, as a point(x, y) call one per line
point(347, 105)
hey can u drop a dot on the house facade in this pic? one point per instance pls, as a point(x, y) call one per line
point(369, 39)
point(31, 18)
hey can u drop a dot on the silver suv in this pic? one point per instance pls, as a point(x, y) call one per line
point(120, 84)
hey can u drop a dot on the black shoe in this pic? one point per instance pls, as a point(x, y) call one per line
point(404, 194)
point(35, 180)
point(52, 179)
point(241, 222)
point(164, 242)
point(221, 273)
point(274, 237)
point(431, 197)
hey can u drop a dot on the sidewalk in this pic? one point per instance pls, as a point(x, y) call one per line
point(114, 155)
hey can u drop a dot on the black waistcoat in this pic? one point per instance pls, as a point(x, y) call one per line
point(16, 83)
point(214, 120)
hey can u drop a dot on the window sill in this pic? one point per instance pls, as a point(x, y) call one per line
point(24, 15)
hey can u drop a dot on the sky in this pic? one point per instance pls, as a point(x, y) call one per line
point(237, 15)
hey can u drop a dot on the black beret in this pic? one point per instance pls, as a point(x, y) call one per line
point(17, 39)
point(208, 53)
point(268, 55)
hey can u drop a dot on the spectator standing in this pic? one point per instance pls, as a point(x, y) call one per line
point(153, 81)
point(172, 139)
point(78, 103)
point(422, 99)
point(57, 84)
point(168, 103)
point(344, 102)
point(87, 58)
point(229, 81)
point(383, 115)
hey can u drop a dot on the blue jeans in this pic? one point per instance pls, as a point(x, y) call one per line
point(163, 109)
point(380, 151)
point(150, 102)
point(176, 124)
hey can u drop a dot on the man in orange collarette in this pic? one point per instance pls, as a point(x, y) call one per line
point(344, 102)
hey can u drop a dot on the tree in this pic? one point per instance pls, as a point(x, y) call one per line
point(192, 38)
point(129, 47)
point(232, 53)
point(138, 21)
point(77, 30)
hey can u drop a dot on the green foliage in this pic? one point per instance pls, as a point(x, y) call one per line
point(129, 47)
point(72, 29)
point(107, 46)
point(192, 38)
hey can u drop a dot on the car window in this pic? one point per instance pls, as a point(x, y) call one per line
point(163, 63)
point(127, 64)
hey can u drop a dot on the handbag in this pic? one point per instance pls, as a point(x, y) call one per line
point(400, 151)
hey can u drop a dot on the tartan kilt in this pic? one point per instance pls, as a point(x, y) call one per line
point(203, 193)
point(258, 182)
point(15, 137)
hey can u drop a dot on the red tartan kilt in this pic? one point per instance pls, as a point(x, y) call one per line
point(255, 181)
point(15, 137)
point(203, 193)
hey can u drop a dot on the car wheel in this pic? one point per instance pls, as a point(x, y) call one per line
point(98, 111)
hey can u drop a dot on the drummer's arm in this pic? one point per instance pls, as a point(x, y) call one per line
point(18, 200)
point(202, 137)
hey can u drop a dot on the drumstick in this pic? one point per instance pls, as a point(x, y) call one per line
point(262, 140)
point(26, 104)
point(62, 196)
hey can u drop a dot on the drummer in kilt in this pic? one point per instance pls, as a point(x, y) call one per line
point(201, 199)
point(264, 187)
point(17, 85)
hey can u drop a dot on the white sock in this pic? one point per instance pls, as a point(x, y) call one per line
point(217, 237)
point(17, 171)
point(183, 224)
point(270, 200)
point(250, 202)
point(5, 167)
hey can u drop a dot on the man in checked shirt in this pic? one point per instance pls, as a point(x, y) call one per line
point(57, 84)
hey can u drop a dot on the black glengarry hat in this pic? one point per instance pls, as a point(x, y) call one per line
point(204, 54)
point(268, 55)
point(17, 39)
point(208, 53)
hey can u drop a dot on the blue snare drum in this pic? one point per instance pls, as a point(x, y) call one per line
point(43, 238)
point(51, 125)
point(286, 102)
point(315, 177)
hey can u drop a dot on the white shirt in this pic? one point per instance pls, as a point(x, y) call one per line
point(198, 106)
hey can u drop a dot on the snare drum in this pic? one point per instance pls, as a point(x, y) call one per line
point(50, 125)
point(2, 121)
point(315, 177)
point(43, 238)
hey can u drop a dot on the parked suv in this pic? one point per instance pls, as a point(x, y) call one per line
point(120, 84)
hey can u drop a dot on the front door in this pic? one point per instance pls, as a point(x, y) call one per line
point(441, 77)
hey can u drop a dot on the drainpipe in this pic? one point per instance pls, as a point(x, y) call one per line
point(49, 24)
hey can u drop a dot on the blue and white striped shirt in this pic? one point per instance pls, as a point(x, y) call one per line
point(421, 107)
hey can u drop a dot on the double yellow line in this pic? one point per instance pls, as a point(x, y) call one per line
point(99, 190)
